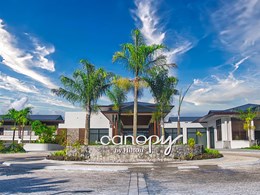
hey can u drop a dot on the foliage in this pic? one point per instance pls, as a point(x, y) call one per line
point(13, 148)
point(198, 133)
point(85, 87)
point(247, 117)
point(191, 142)
point(59, 153)
point(44, 132)
point(2, 146)
point(76, 155)
point(117, 96)
point(20, 118)
point(139, 58)
point(162, 88)
point(255, 147)
point(61, 138)
point(211, 151)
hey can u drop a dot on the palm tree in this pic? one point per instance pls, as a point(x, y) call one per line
point(12, 114)
point(162, 88)
point(247, 117)
point(117, 96)
point(181, 98)
point(140, 58)
point(22, 118)
point(85, 87)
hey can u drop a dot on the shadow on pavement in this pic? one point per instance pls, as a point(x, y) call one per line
point(29, 185)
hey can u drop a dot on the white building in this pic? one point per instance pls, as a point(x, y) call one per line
point(217, 129)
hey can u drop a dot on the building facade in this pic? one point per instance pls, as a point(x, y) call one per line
point(218, 129)
point(6, 130)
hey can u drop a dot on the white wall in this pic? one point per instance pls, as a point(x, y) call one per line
point(75, 120)
point(185, 126)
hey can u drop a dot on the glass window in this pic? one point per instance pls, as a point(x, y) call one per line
point(199, 135)
point(218, 127)
point(1, 131)
point(238, 133)
point(96, 134)
point(171, 132)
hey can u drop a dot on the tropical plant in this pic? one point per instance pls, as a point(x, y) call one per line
point(140, 58)
point(44, 132)
point(181, 98)
point(162, 88)
point(117, 96)
point(22, 119)
point(85, 87)
point(12, 114)
point(247, 117)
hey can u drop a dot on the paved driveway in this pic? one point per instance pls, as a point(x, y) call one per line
point(27, 175)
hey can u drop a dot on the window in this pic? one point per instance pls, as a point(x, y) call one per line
point(1, 131)
point(238, 133)
point(219, 133)
point(171, 132)
point(193, 133)
point(96, 134)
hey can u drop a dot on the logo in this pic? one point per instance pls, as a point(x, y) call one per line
point(142, 140)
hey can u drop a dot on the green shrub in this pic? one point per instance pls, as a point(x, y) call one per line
point(60, 153)
point(255, 147)
point(191, 142)
point(2, 146)
point(44, 132)
point(211, 151)
point(14, 148)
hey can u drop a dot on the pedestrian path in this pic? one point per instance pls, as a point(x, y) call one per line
point(137, 184)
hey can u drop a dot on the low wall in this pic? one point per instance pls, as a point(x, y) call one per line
point(132, 153)
point(37, 147)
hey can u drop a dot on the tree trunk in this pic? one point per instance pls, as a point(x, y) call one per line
point(119, 123)
point(162, 125)
point(179, 127)
point(13, 135)
point(249, 137)
point(87, 125)
point(22, 133)
point(30, 136)
point(135, 107)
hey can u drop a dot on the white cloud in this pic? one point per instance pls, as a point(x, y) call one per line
point(13, 84)
point(149, 22)
point(22, 61)
point(238, 25)
point(19, 104)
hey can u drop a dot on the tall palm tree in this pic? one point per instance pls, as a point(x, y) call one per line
point(12, 114)
point(22, 118)
point(85, 87)
point(117, 96)
point(139, 58)
point(162, 87)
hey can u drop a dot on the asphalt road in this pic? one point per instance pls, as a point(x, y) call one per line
point(159, 178)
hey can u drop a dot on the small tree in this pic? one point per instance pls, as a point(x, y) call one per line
point(12, 114)
point(117, 96)
point(44, 132)
point(22, 119)
point(181, 98)
point(247, 117)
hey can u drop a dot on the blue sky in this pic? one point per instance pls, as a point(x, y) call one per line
point(216, 45)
